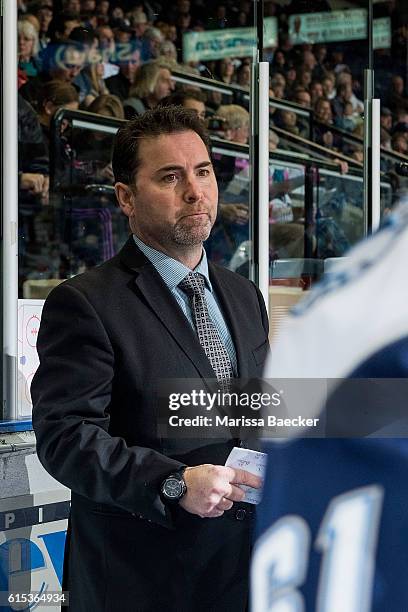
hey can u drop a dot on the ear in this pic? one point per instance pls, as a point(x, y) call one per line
point(125, 197)
point(49, 108)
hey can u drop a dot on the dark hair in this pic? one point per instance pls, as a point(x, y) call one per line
point(83, 36)
point(179, 97)
point(57, 92)
point(152, 124)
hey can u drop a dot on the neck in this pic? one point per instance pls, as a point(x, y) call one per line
point(189, 256)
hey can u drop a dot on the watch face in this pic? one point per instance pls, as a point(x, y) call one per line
point(172, 488)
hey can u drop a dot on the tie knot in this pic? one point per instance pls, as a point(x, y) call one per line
point(193, 284)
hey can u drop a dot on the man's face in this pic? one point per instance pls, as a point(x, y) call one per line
point(106, 39)
point(324, 112)
point(72, 6)
point(70, 65)
point(174, 201)
point(129, 66)
point(386, 121)
point(303, 98)
point(398, 84)
point(164, 84)
point(44, 17)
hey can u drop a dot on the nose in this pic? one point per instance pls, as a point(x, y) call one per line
point(193, 192)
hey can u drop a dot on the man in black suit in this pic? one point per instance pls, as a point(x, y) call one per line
point(156, 524)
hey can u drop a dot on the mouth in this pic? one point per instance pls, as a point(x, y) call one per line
point(196, 215)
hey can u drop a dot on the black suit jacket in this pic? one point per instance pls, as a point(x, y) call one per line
point(106, 338)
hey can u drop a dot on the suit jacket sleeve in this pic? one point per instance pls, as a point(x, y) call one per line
point(71, 394)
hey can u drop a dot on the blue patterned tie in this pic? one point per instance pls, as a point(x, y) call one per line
point(208, 336)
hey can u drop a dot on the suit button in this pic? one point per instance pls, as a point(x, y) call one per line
point(240, 514)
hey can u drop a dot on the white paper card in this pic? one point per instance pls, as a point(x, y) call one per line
point(251, 461)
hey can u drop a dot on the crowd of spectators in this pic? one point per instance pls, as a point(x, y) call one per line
point(118, 58)
point(130, 48)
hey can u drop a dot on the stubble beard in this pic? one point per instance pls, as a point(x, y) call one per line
point(192, 233)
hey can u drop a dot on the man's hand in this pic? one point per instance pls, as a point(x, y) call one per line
point(36, 183)
point(235, 213)
point(212, 489)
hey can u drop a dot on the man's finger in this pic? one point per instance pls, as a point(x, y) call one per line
point(246, 478)
point(235, 494)
point(224, 504)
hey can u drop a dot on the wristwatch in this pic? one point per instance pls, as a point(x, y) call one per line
point(174, 487)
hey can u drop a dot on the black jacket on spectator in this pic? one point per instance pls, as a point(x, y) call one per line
point(118, 85)
point(32, 150)
point(32, 90)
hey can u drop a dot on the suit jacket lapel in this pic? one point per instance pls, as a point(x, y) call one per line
point(165, 306)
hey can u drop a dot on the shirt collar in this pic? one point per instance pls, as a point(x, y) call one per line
point(171, 270)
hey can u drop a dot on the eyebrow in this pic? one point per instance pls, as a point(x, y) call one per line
point(170, 167)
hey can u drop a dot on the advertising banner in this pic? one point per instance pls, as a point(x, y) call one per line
point(230, 42)
point(337, 26)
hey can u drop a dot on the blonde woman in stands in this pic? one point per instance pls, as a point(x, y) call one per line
point(152, 83)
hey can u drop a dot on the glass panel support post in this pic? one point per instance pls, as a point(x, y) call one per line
point(9, 212)
point(260, 166)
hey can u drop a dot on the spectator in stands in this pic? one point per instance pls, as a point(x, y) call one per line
point(320, 52)
point(277, 80)
point(55, 95)
point(107, 48)
point(108, 106)
point(279, 61)
point(62, 25)
point(329, 87)
point(304, 77)
point(316, 91)
point(44, 12)
point(139, 25)
point(219, 21)
point(346, 78)
point(323, 113)
point(122, 31)
point(88, 6)
point(94, 73)
point(344, 94)
point(72, 6)
point(152, 40)
point(168, 50)
point(399, 143)
point(302, 97)
point(347, 121)
point(88, 80)
point(194, 100)
point(28, 47)
point(397, 99)
point(119, 84)
point(152, 83)
point(309, 61)
point(386, 119)
point(116, 12)
point(237, 119)
point(287, 120)
point(61, 62)
point(225, 70)
point(33, 161)
point(102, 11)
point(290, 77)
point(244, 75)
